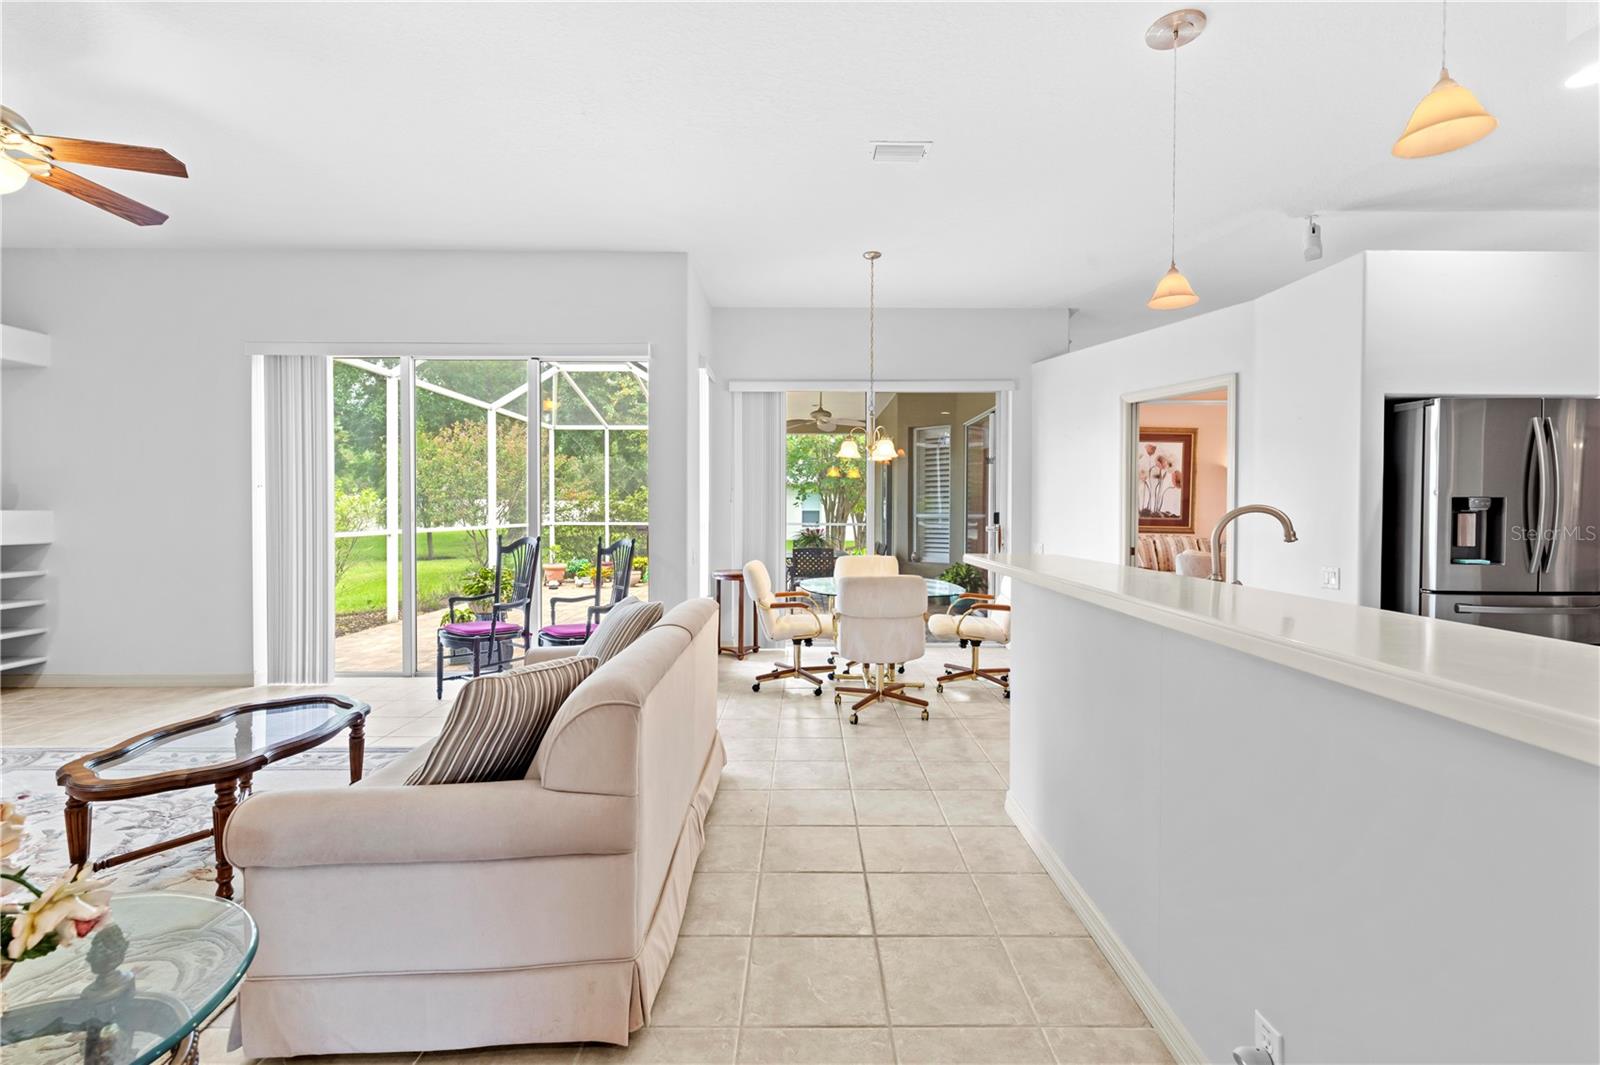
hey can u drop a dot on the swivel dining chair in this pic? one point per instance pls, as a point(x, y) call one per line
point(976, 619)
point(880, 625)
point(857, 566)
point(786, 616)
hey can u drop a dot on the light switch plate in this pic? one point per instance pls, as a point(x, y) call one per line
point(1330, 578)
point(1269, 1039)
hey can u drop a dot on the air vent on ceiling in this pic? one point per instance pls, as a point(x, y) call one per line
point(899, 151)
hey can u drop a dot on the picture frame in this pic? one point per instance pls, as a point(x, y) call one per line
point(1163, 489)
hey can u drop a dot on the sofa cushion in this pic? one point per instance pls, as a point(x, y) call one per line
point(496, 724)
point(625, 622)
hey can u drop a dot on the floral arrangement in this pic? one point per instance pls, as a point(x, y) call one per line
point(68, 910)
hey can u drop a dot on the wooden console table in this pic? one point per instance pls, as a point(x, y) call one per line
point(740, 648)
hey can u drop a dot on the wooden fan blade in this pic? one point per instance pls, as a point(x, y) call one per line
point(99, 195)
point(120, 156)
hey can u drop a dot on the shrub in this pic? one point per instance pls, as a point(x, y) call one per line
point(970, 578)
point(811, 538)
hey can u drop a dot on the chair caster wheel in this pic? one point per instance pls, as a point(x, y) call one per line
point(939, 688)
point(924, 715)
point(816, 691)
point(853, 719)
point(901, 670)
point(808, 643)
point(756, 686)
point(830, 660)
point(832, 677)
point(1008, 693)
point(963, 645)
point(838, 701)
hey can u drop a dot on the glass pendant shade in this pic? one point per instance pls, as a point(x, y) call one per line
point(883, 450)
point(12, 176)
point(834, 471)
point(852, 474)
point(849, 449)
point(1172, 292)
point(1448, 118)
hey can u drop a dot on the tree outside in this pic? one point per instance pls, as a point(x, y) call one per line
point(813, 469)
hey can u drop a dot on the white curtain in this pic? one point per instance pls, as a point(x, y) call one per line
point(759, 496)
point(297, 411)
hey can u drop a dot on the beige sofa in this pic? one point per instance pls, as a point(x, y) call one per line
point(398, 918)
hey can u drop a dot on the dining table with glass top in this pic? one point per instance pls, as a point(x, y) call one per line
point(133, 993)
point(828, 587)
point(221, 749)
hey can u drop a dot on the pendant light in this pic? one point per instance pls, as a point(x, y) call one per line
point(1170, 33)
point(1449, 117)
point(879, 445)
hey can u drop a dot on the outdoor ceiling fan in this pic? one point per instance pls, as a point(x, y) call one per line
point(25, 154)
point(820, 420)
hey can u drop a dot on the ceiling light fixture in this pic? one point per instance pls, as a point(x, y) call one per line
point(12, 176)
point(1170, 33)
point(879, 445)
point(1449, 117)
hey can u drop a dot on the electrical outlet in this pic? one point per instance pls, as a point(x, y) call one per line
point(1269, 1039)
point(1330, 578)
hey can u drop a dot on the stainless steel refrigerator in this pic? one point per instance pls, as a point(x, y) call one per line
point(1492, 513)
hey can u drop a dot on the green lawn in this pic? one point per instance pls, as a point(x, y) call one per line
point(364, 585)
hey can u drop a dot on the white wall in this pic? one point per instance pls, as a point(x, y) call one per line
point(818, 344)
point(139, 439)
point(1383, 884)
point(1315, 360)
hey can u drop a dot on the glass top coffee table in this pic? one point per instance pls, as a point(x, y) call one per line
point(134, 991)
point(827, 587)
point(222, 749)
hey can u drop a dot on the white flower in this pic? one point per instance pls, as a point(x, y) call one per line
point(10, 829)
point(72, 907)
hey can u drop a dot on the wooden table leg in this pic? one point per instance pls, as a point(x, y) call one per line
point(358, 749)
point(227, 799)
point(738, 647)
point(78, 823)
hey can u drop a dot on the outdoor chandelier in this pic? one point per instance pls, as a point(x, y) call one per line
point(879, 445)
point(1449, 117)
point(1170, 33)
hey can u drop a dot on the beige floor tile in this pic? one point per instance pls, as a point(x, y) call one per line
point(754, 708)
point(1070, 983)
point(811, 775)
point(704, 984)
point(745, 749)
point(731, 849)
point(910, 850)
point(738, 807)
point(877, 746)
point(811, 849)
point(973, 807)
point(800, 703)
point(951, 981)
point(801, 749)
point(947, 749)
point(995, 849)
point(888, 775)
point(897, 807)
point(548, 1054)
point(815, 1046)
point(815, 728)
point(963, 776)
point(927, 904)
point(998, 750)
point(720, 904)
point(971, 1046)
point(748, 728)
point(1108, 1046)
point(741, 776)
point(812, 904)
point(813, 982)
point(1027, 904)
point(811, 806)
point(669, 1046)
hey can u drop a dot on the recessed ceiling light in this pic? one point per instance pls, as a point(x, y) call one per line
point(899, 151)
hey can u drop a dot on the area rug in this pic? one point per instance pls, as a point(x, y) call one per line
point(28, 779)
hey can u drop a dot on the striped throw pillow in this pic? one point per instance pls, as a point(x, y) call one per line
point(621, 625)
point(496, 724)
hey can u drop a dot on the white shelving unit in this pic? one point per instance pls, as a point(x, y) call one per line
point(25, 536)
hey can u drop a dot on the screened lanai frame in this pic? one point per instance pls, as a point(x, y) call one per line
point(401, 385)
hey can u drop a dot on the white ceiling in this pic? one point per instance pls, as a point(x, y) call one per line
point(738, 133)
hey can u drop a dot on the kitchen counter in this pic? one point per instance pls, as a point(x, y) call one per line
point(1540, 691)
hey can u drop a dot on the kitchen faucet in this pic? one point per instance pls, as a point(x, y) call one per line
point(1218, 566)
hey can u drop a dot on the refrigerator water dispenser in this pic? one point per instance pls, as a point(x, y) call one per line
point(1478, 530)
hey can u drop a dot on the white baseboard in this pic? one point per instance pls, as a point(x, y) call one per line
point(1180, 1044)
point(129, 680)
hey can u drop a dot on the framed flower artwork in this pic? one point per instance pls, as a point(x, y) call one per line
point(1164, 485)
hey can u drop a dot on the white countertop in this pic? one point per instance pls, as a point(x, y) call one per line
point(1540, 691)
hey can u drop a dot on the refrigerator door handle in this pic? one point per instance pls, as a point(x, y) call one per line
point(1548, 537)
point(1535, 536)
point(1469, 608)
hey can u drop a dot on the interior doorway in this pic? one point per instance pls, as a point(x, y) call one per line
point(1180, 463)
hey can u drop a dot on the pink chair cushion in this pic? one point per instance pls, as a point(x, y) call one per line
point(566, 632)
point(480, 628)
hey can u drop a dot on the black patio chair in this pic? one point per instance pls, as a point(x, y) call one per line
point(808, 562)
point(574, 633)
point(490, 640)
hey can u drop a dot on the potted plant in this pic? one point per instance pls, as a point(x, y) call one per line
point(480, 582)
point(582, 572)
point(970, 578)
point(71, 908)
point(554, 572)
point(811, 538)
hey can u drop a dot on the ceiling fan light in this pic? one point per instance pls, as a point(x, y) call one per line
point(1449, 117)
point(827, 425)
point(12, 176)
point(849, 449)
point(1173, 292)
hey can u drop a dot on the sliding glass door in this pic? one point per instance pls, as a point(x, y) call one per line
point(435, 466)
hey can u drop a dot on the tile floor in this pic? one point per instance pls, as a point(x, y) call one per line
point(862, 897)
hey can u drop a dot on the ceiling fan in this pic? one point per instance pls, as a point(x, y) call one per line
point(820, 420)
point(25, 154)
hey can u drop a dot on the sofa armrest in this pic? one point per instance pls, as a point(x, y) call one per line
point(538, 655)
point(425, 823)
